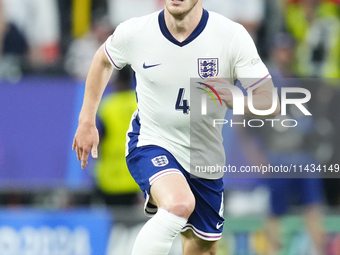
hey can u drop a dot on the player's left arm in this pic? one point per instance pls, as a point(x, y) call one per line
point(262, 100)
point(249, 68)
point(262, 97)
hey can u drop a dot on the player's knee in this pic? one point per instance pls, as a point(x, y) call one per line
point(182, 206)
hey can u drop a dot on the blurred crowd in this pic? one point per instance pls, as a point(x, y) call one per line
point(60, 37)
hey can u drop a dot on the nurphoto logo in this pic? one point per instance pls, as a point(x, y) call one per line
point(239, 101)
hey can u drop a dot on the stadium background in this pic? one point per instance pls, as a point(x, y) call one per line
point(48, 205)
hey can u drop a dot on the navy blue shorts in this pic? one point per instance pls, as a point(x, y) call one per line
point(148, 163)
point(307, 191)
point(284, 191)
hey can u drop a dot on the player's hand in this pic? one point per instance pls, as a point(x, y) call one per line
point(224, 93)
point(86, 140)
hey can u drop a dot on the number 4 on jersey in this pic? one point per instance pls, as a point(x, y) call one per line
point(182, 105)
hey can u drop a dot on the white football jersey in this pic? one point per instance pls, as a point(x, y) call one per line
point(164, 67)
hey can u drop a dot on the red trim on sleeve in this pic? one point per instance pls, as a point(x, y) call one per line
point(107, 53)
point(258, 81)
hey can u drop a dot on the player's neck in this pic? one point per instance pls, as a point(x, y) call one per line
point(181, 27)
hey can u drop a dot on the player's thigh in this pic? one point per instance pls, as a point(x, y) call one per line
point(193, 245)
point(172, 192)
point(162, 179)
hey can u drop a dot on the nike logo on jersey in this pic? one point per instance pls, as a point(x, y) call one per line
point(219, 225)
point(146, 67)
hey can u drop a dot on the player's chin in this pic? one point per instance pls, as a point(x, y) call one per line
point(177, 11)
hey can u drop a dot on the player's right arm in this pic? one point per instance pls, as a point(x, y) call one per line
point(86, 139)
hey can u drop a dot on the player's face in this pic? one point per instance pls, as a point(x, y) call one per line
point(180, 8)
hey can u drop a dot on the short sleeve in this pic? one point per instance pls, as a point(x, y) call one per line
point(116, 47)
point(249, 68)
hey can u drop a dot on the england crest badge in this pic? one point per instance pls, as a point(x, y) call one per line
point(207, 67)
point(160, 161)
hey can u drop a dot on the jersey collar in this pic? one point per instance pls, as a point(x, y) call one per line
point(198, 30)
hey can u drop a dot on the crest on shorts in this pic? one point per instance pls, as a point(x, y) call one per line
point(160, 161)
point(207, 67)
